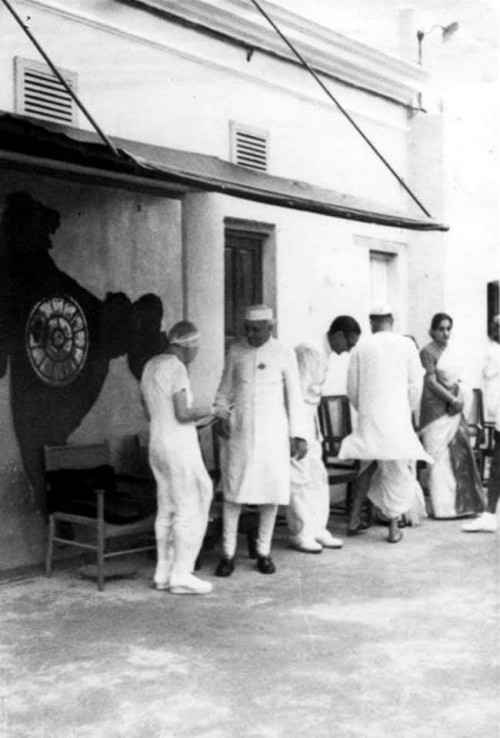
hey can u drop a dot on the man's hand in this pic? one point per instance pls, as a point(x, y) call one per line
point(455, 407)
point(298, 448)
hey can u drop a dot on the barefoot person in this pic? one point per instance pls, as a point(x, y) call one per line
point(384, 384)
point(454, 483)
point(184, 489)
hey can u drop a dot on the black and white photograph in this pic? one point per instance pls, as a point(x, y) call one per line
point(249, 368)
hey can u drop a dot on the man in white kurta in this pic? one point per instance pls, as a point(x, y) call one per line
point(309, 509)
point(384, 385)
point(260, 402)
point(491, 372)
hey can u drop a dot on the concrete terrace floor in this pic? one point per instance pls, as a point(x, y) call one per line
point(374, 641)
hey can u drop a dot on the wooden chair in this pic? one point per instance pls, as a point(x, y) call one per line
point(334, 414)
point(83, 490)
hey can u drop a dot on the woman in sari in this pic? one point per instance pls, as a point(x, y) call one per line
point(454, 484)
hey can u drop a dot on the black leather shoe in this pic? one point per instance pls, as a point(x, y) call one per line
point(225, 567)
point(265, 565)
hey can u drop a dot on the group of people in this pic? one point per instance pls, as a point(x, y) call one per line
point(270, 443)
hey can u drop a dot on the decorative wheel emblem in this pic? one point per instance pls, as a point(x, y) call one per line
point(57, 339)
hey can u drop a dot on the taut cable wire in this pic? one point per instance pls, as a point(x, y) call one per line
point(61, 79)
point(339, 106)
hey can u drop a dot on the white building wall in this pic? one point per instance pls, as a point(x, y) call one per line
point(152, 81)
point(148, 80)
point(322, 269)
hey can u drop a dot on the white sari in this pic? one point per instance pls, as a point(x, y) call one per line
point(437, 437)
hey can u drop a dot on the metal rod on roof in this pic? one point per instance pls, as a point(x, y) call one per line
point(61, 79)
point(340, 107)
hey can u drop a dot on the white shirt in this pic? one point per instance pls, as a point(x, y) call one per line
point(384, 384)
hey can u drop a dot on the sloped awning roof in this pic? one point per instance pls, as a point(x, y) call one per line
point(42, 147)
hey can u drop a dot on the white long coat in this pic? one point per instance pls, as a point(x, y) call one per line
point(260, 393)
point(384, 383)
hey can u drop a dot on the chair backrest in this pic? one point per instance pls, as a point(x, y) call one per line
point(476, 412)
point(475, 418)
point(76, 457)
point(334, 414)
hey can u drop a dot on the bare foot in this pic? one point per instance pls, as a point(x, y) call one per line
point(395, 534)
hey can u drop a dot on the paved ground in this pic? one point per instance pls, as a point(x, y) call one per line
point(374, 641)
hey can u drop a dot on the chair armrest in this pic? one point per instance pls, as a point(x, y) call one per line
point(478, 436)
point(139, 481)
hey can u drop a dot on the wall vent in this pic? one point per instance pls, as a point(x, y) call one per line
point(250, 147)
point(39, 93)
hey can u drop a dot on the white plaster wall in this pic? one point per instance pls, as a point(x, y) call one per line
point(454, 161)
point(157, 82)
point(427, 253)
point(472, 208)
point(174, 88)
point(109, 240)
point(322, 270)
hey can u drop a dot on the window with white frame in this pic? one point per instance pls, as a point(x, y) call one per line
point(40, 94)
point(383, 278)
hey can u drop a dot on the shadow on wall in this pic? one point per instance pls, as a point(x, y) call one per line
point(58, 336)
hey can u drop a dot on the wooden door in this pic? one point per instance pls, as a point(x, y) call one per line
point(242, 279)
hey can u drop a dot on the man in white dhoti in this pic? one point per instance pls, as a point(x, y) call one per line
point(384, 385)
point(183, 487)
point(260, 404)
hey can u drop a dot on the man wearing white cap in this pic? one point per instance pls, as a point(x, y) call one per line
point(183, 487)
point(259, 401)
point(384, 384)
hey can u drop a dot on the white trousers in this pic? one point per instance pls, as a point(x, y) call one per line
point(309, 508)
point(267, 519)
point(181, 521)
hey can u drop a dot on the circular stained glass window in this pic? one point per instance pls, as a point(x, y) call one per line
point(57, 339)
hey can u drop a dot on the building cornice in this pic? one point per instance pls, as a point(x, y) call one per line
point(56, 7)
point(326, 51)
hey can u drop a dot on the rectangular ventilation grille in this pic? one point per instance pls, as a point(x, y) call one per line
point(251, 150)
point(41, 95)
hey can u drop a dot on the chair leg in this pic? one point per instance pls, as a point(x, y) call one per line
point(100, 557)
point(50, 546)
point(349, 497)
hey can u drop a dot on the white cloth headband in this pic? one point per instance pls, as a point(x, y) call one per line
point(192, 339)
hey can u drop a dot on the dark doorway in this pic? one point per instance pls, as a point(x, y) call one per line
point(242, 278)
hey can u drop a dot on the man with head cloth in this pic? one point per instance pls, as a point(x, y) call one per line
point(384, 384)
point(183, 487)
point(260, 404)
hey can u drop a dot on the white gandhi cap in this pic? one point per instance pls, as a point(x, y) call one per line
point(258, 312)
point(382, 308)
